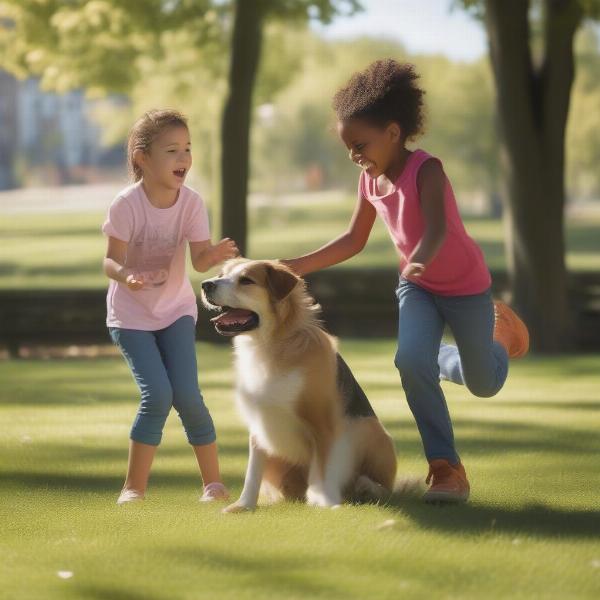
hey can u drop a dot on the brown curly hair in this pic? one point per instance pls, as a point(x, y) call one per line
point(144, 132)
point(385, 91)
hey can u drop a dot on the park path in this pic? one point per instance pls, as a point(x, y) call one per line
point(66, 199)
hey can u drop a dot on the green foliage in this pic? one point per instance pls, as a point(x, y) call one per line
point(322, 10)
point(158, 52)
point(97, 44)
point(460, 125)
point(174, 53)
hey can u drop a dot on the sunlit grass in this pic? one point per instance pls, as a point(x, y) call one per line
point(530, 530)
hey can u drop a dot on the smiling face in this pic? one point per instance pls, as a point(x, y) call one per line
point(247, 293)
point(374, 149)
point(169, 158)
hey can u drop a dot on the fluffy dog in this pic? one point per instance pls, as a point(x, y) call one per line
point(313, 433)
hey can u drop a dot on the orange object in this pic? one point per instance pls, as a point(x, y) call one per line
point(448, 482)
point(510, 331)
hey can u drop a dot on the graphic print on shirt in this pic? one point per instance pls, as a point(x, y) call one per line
point(151, 254)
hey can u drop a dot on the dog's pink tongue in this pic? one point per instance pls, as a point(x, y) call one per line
point(233, 316)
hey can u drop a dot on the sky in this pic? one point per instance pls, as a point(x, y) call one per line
point(422, 26)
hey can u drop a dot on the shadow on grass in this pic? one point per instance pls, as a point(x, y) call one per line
point(233, 442)
point(9, 268)
point(478, 437)
point(107, 592)
point(583, 237)
point(82, 483)
point(78, 269)
point(551, 405)
point(63, 396)
point(79, 456)
point(273, 574)
point(474, 519)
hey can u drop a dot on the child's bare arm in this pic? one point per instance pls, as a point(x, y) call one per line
point(341, 248)
point(431, 182)
point(114, 261)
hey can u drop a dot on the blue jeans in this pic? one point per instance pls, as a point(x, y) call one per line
point(477, 361)
point(163, 364)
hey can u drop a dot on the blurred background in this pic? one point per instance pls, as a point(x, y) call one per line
point(74, 77)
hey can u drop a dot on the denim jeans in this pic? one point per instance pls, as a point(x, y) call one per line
point(477, 361)
point(163, 364)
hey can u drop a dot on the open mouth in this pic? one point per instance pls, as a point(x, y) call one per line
point(179, 173)
point(232, 321)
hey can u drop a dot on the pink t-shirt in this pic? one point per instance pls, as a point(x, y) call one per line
point(459, 266)
point(157, 239)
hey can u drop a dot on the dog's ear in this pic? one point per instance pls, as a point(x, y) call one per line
point(281, 281)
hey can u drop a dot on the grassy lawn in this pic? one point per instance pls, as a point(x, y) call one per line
point(64, 250)
point(532, 528)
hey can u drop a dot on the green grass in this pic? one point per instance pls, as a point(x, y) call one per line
point(64, 250)
point(531, 529)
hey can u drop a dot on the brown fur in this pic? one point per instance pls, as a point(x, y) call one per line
point(289, 339)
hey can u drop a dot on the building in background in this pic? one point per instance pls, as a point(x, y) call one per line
point(50, 137)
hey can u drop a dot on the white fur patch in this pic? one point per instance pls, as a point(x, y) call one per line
point(268, 405)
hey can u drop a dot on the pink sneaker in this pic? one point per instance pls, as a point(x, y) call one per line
point(129, 496)
point(214, 491)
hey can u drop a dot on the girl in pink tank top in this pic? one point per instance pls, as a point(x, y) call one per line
point(443, 275)
point(457, 268)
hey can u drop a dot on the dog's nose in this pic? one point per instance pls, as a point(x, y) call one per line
point(208, 286)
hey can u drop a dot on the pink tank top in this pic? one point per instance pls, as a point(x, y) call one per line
point(459, 267)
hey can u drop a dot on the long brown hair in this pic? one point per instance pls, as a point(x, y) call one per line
point(144, 132)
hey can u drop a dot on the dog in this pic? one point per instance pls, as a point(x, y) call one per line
point(313, 434)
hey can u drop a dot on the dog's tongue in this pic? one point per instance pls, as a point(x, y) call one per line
point(233, 316)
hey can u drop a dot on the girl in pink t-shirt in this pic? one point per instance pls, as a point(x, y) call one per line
point(151, 306)
point(443, 275)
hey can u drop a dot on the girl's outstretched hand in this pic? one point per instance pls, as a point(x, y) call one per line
point(413, 270)
point(224, 250)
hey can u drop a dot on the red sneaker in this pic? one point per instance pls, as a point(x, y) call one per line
point(510, 331)
point(449, 483)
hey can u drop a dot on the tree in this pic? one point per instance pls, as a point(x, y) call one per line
point(250, 16)
point(101, 45)
point(533, 86)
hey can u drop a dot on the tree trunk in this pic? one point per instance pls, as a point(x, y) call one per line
point(533, 105)
point(9, 137)
point(235, 131)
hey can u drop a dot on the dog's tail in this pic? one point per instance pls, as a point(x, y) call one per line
point(408, 487)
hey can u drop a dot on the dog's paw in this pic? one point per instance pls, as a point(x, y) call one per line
point(318, 497)
point(237, 507)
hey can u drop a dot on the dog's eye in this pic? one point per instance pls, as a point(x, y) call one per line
point(245, 281)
